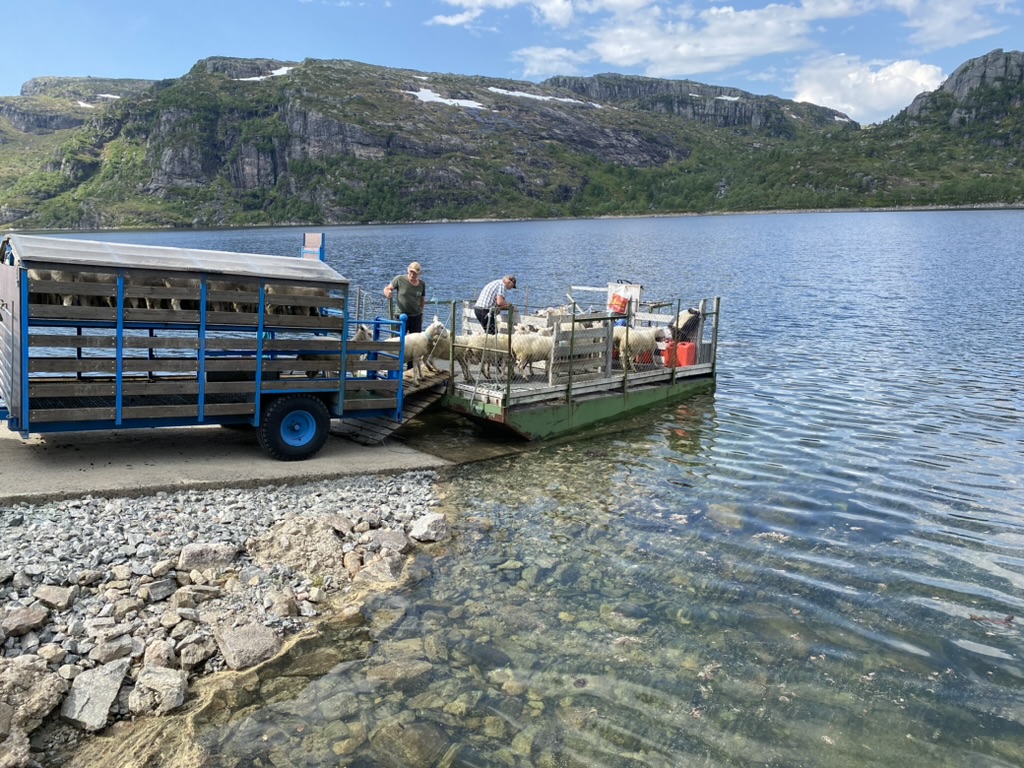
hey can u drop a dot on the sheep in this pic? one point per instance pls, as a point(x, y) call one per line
point(685, 326)
point(363, 333)
point(421, 348)
point(466, 349)
point(531, 347)
point(290, 293)
point(634, 342)
point(239, 296)
point(39, 275)
point(493, 349)
point(36, 276)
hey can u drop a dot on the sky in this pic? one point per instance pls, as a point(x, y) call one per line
point(866, 58)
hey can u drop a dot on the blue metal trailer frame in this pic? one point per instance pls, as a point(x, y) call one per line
point(98, 335)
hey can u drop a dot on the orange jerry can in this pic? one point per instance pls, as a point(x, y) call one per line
point(680, 353)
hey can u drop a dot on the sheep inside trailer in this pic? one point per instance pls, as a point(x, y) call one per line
point(103, 335)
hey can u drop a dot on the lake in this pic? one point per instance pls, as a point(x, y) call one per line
point(813, 565)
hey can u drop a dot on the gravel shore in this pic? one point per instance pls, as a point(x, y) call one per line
point(142, 595)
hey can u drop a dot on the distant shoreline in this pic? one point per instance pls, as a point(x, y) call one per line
point(490, 220)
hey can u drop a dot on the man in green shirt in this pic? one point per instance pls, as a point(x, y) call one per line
point(411, 297)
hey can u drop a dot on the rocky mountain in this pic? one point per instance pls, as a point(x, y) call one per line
point(708, 104)
point(88, 89)
point(984, 97)
point(262, 141)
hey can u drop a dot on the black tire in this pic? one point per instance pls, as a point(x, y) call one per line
point(294, 427)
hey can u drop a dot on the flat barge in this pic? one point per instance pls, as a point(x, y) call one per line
point(586, 367)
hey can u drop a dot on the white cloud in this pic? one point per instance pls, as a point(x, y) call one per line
point(685, 43)
point(558, 13)
point(457, 20)
point(946, 23)
point(691, 38)
point(474, 9)
point(868, 91)
point(543, 62)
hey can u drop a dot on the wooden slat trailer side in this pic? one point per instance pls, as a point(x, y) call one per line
point(104, 335)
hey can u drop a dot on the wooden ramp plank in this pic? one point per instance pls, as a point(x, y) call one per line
point(375, 430)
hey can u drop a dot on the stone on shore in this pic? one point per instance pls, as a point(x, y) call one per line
point(201, 556)
point(248, 645)
point(431, 527)
point(158, 690)
point(21, 621)
point(92, 694)
point(28, 693)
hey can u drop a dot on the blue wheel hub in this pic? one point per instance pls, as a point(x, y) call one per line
point(298, 428)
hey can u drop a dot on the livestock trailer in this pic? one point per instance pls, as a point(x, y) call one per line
point(106, 335)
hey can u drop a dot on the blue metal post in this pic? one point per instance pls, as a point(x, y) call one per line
point(201, 362)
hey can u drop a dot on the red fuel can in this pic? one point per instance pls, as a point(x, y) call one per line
point(679, 353)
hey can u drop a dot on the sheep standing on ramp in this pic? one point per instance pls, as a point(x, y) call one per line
point(422, 348)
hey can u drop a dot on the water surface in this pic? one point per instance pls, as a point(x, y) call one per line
point(813, 565)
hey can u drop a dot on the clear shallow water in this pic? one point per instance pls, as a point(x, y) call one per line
point(783, 572)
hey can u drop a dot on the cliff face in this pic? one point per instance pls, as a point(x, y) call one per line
point(31, 116)
point(49, 104)
point(259, 126)
point(707, 104)
point(989, 88)
point(996, 69)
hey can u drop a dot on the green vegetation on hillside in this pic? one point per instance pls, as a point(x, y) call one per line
point(342, 142)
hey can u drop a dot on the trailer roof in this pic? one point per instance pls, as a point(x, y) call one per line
point(41, 251)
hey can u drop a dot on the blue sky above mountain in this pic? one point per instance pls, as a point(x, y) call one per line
point(868, 58)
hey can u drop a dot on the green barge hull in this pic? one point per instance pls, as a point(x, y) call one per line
point(554, 418)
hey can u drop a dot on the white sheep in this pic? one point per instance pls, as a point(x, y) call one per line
point(289, 293)
point(421, 348)
point(466, 349)
point(634, 342)
point(493, 351)
point(530, 348)
point(362, 333)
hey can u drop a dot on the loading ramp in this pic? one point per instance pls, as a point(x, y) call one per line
point(376, 430)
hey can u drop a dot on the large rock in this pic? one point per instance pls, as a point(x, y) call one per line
point(247, 645)
point(386, 568)
point(22, 620)
point(412, 745)
point(432, 527)
point(158, 690)
point(996, 69)
point(59, 598)
point(382, 538)
point(199, 557)
point(28, 693)
point(718, 106)
point(92, 694)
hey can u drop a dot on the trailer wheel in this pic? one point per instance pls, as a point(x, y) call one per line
point(294, 427)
